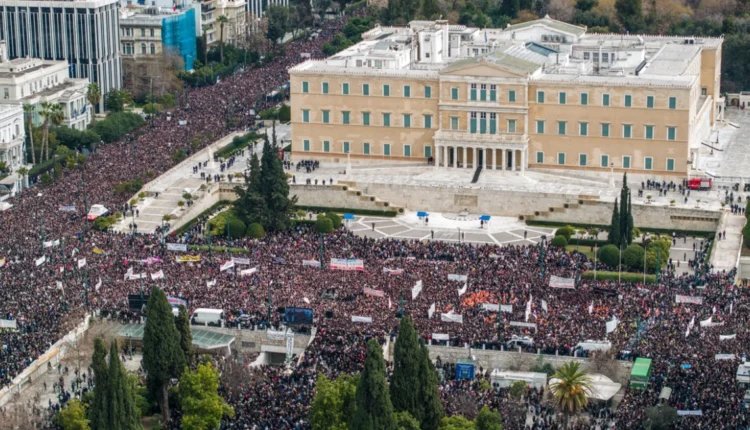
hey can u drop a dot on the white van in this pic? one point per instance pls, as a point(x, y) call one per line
point(594, 345)
point(504, 379)
point(516, 341)
point(207, 317)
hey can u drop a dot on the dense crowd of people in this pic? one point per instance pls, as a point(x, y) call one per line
point(45, 285)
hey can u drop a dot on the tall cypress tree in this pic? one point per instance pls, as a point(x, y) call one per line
point(100, 408)
point(374, 408)
point(123, 414)
point(629, 237)
point(626, 219)
point(250, 205)
point(163, 358)
point(275, 188)
point(186, 337)
point(405, 379)
point(432, 407)
point(614, 227)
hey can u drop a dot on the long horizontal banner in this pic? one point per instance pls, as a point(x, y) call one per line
point(371, 292)
point(12, 324)
point(342, 264)
point(176, 301)
point(688, 413)
point(459, 278)
point(187, 258)
point(177, 247)
point(241, 260)
point(311, 263)
point(725, 357)
point(727, 337)
point(523, 324)
point(491, 307)
point(558, 282)
point(696, 300)
point(275, 335)
point(66, 208)
point(456, 318)
point(361, 319)
point(440, 336)
point(393, 272)
point(248, 272)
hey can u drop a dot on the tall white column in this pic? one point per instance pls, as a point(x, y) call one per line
point(513, 161)
point(485, 154)
point(455, 156)
point(446, 160)
point(523, 161)
point(494, 158)
point(466, 156)
point(505, 160)
point(475, 158)
point(436, 158)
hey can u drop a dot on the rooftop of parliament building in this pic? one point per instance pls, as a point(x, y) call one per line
point(543, 50)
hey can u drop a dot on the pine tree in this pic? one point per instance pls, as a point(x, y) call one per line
point(162, 357)
point(430, 8)
point(405, 380)
point(123, 413)
point(630, 14)
point(510, 8)
point(630, 220)
point(626, 219)
point(614, 227)
point(432, 407)
point(275, 188)
point(186, 337)
point(374, 408)
point(100, 408)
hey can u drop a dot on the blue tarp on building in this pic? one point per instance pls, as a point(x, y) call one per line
point(178, 36)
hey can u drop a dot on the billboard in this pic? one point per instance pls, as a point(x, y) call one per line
point(298, 316)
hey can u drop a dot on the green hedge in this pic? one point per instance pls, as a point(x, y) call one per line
point(602, 227)
point(323, 209)
point(239, 142)
point(613, 276)
point(220, 204)
point(45, 166)
point(587, 242)
point(204, 248)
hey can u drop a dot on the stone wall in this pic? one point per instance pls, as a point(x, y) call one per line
point(257, 341)
point(335, 196)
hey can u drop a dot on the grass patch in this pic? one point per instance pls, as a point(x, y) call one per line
point(602, 227)
point(585, 250)
point(613, 276)
point(372, 212)
point(238, 143)
point(218, 205)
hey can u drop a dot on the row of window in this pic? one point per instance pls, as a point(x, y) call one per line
point(406, 119)
point(604, 161)
point(129, 49)
point(477, 92)
point(649, 132)
point(131, 31)
point(365, 148)
point(562, 98)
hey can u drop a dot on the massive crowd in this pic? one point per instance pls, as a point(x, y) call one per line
point(43, 287)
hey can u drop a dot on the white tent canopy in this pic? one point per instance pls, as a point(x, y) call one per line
point(602, 388)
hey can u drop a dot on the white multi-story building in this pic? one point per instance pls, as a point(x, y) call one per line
point(85, 33)
point(12, 137)
point(33, 81)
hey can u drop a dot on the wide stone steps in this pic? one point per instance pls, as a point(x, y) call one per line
point(542, 214)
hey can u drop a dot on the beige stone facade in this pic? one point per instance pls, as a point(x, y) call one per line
point(536, 95)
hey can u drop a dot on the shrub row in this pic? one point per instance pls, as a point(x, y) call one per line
point(218, 205)
point(239, 142)
point(323, 209)
point(613, 276)
point(45, 166)
point(602, 227)
point(219, 249)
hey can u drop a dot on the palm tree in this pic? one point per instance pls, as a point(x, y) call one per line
point(93, 96)
point(570, 388)
point(23, 171)
point(222, 19)
point(205, 44)
point(28, 112)
point(44, 111)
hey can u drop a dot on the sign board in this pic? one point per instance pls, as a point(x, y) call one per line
point(177, 247)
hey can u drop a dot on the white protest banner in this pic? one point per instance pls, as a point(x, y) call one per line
point(66, 208)
point(39, 261)
point(361, 319)
point(157, 275)
point(129, 273)
point(459, 278)
point(59, 285)
point(306, 300)
point(716, 324)
point(725, 357)
point(8, 324)
point(81, 262)
point(393, 272)
point(274, 335)
point(177, 247)
point(451, 317)
point(226, 266)
point(311, 263)
point(727, 337)
point(462, 291)
point(527, 313)
point(338, 264)
point(612, 325)
point(371, 292)
point(98, 285)
point(690, 327)
point(544, 305)
point(211, 283)
point(491, 307)
point(687, 413)
point(431, 310)
point(707, 323)
point(696, 300)
point(239, 260)
point(523, 324)
point(248, 272)
point(591, 308)
point(558, 282)
point(342, 264)
point(416, 290)
point(440, 336)
point(50, 243)
point(506, 308)
point(137, 277)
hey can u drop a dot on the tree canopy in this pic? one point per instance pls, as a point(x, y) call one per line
point(202, 407)
point(374, 409)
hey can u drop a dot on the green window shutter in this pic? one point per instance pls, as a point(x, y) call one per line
point(454, 123)
point(493, 126)
point(386, 90)
point(345, 118)
point(366, 148)
point(605, 130)
point(605, 160)
point(473, 93)
point(428, 92)
point(407, 91)
point(365, 89)
point(649, 132)
point(326, 116)
point(561, 127)
point(454, 93)
point(407, 120)
point(365, 118)
point(407, 150)
point(582, 159)
point(584, 99)
point(649, 163)
point(326, 146)
point(561, 158)
point(483, 125)
point(511, 126)
point(483, 95)
point(493, 95)
point(584, 129)
point(626, 131)
point(305, 87)
point(473, 125)
point(540, 127)
point(650, 102)
point(305, 115)
point(670, 164)
point(671, 133)
point(511, 96)
point(673, 102)
point(346, 147)
point(427, 151)
point(539, 157)
point(628, 100)
point(540, 96)
point(605, 100)
point(325, 87)
point(387, 149)
point(562, 98)
point(345, 89)
point(428, 121)
point(306, 145)
point(386, 120)
point(626, 162)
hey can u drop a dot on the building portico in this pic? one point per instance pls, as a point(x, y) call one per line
point(490, 157)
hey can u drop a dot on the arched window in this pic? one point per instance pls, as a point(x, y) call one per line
point(153, 49)
point(143, 48)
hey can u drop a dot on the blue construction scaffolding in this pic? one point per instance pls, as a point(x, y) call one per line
point(178, 36)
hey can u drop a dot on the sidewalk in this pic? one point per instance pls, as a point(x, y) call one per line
point(726, 252)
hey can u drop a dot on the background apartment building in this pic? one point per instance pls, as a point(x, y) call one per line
point(542, 94)
point(234, 29)
point(85, 33)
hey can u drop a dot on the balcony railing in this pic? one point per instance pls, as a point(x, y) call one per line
point(517, 138)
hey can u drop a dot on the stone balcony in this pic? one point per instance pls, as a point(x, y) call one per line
point(503, 140)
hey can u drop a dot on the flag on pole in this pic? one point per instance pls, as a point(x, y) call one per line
point(528, 309)
point(59, 285)
point(462, 291)
point(591, 308)
point(157, 275)
point(730, 308)
point(306, 300)
point(39, 261)
point(81, 262)
point(211, 283)
point(714, 310)
point(544, 305)
point(612, 325)
point(690, 327)
point(226, 266)
point(389, 303)
point(431, 311)
point(98, 285)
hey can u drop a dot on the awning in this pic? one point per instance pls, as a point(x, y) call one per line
point(348, 216)
point(421, 214)
point(602, 388)
point(484, 218)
